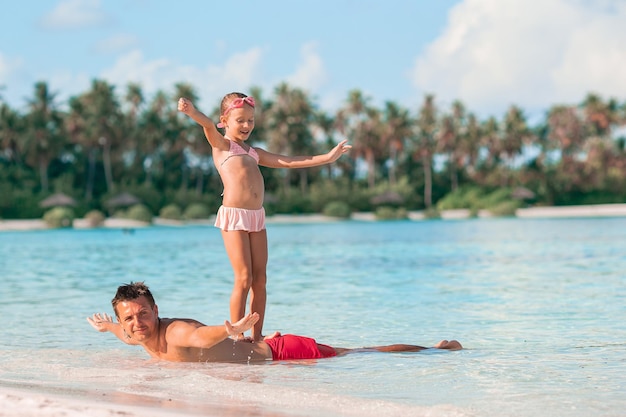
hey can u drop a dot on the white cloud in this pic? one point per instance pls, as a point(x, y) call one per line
point(212, 82)
point(17, 82)
point(238, 72)
point(310, 74)
point(534, 54)
point(5, 69)
point(117, 43)
point(10, 72)
point(66, 84)
point(75, 14)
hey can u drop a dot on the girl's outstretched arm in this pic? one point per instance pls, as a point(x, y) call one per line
point(213, 136)
point(273, 160)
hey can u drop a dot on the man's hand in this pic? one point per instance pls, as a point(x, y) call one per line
point(242, 325)
point(100, 321)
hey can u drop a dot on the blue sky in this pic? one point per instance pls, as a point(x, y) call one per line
point(487, 53)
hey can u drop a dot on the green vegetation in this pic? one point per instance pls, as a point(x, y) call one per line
point(196, 211)
point(171, 212)
point(390, 213)
point(498, 202)
point(95, 218)
point(59, 217)
point(103, 143)
point(140, 213)
point(338, 209)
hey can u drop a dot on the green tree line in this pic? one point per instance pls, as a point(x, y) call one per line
point(101, 143)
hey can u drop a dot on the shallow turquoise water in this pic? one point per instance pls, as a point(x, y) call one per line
point(538, 304)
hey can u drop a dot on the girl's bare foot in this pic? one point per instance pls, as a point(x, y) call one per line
point(271, 336)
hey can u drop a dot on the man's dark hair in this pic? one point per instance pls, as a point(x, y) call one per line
point(132, 291)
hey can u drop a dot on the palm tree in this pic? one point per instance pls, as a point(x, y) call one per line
point(260, 135)
point(44, 139)
point(100, 128)
point(185, 90)
point(289, 123)
point(515, 135)
point(449, 140)
point(566, 131)
point(189, 146)
point(75, 125)
point(564, 138)
point(603, 162)
point(152, 134)
point(469, 145)
point(425, 143)
point(363, 125)
point(599, 116)
point(325, 124)
point(491, 149)
point(134, 101)
point(135, 98)
point(11, 128)
point(396, 129)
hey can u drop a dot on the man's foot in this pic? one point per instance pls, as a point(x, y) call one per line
point(450, 345)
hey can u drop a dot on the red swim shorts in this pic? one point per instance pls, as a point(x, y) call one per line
point(289, 346)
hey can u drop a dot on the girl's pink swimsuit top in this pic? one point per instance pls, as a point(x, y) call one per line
point(236, 149)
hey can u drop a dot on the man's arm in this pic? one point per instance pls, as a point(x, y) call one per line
point(186, 334)
point(104, 323)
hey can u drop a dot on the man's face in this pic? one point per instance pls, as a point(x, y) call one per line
point(138, 319)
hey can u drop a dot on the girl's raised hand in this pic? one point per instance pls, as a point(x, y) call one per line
point(341, 148)
point(185, 105)
point(246, 323)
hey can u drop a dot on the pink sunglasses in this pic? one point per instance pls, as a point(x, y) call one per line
point(237, 104)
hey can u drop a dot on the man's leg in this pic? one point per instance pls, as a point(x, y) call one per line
point(444, 344)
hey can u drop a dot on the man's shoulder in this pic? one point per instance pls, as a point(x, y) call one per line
point(181, 322)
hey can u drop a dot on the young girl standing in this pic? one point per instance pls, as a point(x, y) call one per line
point(241, 216)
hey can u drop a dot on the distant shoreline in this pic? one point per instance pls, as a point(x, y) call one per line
point(598, 210)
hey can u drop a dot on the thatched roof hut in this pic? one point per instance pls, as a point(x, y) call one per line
point(523, 193)
point(57, 200)
point(388, 197)
point(122, 200)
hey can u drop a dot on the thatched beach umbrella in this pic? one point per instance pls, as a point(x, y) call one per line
point(122, 200)
point(57, 200)
point(522, 193)
point(388, 197)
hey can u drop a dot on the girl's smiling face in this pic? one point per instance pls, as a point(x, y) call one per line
point(239, 122)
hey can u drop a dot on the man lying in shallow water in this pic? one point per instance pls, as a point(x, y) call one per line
point(188, 340)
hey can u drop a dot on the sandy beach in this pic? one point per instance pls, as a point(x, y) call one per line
point(27, 403)
point(599, 210)
point(23, 402)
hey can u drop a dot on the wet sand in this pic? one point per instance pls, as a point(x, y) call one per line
point(35, 401)
point(32, 403)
